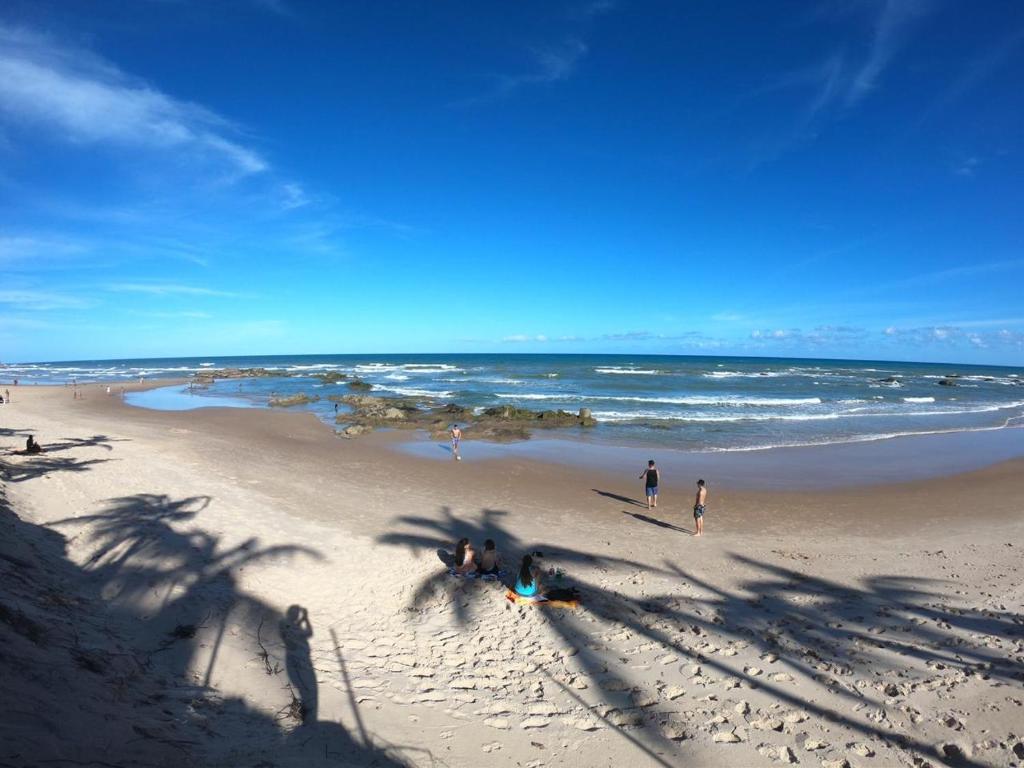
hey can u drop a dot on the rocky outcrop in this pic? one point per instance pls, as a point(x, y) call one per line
point(501, 423)
point(331, 377)
point(211, 375)
point(359, 384)
point(286, 402)
point(947, 382)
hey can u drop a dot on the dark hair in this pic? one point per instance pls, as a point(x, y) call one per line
point(460, 551)
point(650, 463)
point(700, 482)
point(525, 574)
point(489, 544)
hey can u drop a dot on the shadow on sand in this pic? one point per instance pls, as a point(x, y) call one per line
point(820, 630)
point(167, 589)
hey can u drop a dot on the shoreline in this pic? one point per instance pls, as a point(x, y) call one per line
point(801, 467)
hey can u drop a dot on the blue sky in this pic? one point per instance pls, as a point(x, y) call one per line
point(841, 179)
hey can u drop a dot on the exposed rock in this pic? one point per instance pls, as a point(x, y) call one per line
point(355, 430)
point(300, 399)
point(947, 382)
point(359, 384)
point(498, 423)
point(330, 377)
point(211, 375)
point(584, 414)
point(727, 737)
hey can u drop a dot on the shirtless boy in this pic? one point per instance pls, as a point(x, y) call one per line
point(698, 507)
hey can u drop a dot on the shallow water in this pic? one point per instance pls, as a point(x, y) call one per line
point(695, 404)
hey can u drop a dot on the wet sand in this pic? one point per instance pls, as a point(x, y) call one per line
point(869, 623)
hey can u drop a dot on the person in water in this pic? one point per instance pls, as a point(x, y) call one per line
point(528, 580)
point(698, 507)
point(489, 560)
point(650, 478)
point(465, 557)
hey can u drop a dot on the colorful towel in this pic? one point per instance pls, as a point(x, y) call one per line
point(512, 597)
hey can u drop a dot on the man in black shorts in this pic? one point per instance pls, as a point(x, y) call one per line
point(698, 508)
point(650, 478)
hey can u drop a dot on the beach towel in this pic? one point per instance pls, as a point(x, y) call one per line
point(512, 597)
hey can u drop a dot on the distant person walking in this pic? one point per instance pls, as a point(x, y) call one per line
point(650, 476)
point(456, 440)
point(698, 507)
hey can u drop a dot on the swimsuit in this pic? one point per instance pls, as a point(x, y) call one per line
point(524, 591)
point(698, 510)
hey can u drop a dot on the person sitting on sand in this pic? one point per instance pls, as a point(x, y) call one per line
point(465, 557)
point(31, 446)
point(489, 560)
point(528, 580)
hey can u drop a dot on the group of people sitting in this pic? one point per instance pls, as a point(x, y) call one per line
point(488, 564)
point(468, 564)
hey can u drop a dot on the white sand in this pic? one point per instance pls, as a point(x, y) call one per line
point(877, 628)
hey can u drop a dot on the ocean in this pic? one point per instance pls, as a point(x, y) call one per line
point(705, 404)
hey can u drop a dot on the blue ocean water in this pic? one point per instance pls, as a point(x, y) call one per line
point(691, 403)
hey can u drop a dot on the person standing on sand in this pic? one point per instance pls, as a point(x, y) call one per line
point(650, 478)
point(456, 439)
point(698, 508)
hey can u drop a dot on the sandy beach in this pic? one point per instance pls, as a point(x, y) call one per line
point(238, 588)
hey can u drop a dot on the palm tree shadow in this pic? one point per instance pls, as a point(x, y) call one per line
point(152, 544)
point(818, 629)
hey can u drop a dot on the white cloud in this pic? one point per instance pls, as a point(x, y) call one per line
point(293, 196)
point(84, 100)
point(888, 34)
point(42, 300)
point(167, 289)
point(521, 338)
point(33, 249)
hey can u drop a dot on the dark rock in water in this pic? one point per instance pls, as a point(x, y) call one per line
point(209, 376)
point(947, 383)
point(889, 380)
point(286, 402)
point(331, 377)
point(502, 423)
point(360, 385)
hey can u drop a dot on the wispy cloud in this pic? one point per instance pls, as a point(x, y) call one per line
point(551, 64)
point(293, 196)
point(888, 35)
point(976, 72)
point(42, 300)
point(955, 335)
point(168, 289)
point(82, 99)
point(35, 250)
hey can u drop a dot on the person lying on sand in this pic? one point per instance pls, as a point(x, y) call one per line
point(489, 560)
point(465, 557)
